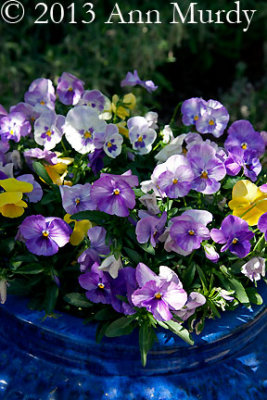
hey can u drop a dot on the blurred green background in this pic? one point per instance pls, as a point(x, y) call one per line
point(212, 61)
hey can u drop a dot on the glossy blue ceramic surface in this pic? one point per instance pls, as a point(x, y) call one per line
point(57, 358)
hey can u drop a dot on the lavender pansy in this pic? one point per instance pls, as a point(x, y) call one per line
point(94, 99)
point(235, 235)
point(41, 95)
point(191, 110)
point(48, 129)
point(82, 128)
point(241, 134)
point(247, 159)
point(97, 285)
point(158, 294)
point(150, 228)
point(262, 225)
point(132, 79)
point(124, 286)
point(112, 141)
point(77, 198)
point(98, 248)
point(112, 195)
point(254, 269)
point(194, 301)
point(69, 89)
point(44, 236)
point(213, 118)
point(37, 193)
point(96, 162)
point(38, 154)
point(14, 126)
point(174, 177)
point(207, 168)
point(141, 135)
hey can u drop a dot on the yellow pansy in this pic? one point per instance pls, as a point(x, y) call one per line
point(130, 100)
point(123, 110)
point(11, 203)
point(80, 229)
point(58, 171)
point(248, 202)
point(122, 128)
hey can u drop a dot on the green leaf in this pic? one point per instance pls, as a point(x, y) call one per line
point(180, 331)
point(202, 278)
point(189, 275)
point(30, 269)
point(51, 298)
point(133, 255)
point(213, 308)
point(106, 314)
point(147, 338)
point(230, 182)
point(94, 216)
point(120, 327)
point(148, 248)
point(77, 300)
point(254, 296)
point(7, 246)
point(240, 292)
point(24, 258)
point(41, 172)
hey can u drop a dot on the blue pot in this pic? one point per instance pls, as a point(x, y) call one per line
point(58, 358)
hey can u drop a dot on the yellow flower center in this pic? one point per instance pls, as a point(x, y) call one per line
point(101, 285)
point(109, 144)
point(70, 89)
point(140, 139)
point(48, 133)
point(116, 192)
point(204, 175)
point(184, 151)
point(87, 135)
point(235, 241)
point(77, 201)
point(42, 103)
point(175, 181)
point(196, 118)
point(11, 132)
point(244, 146)
point(45, 234)
point(211, 122)
point(191, 232)
point(158, 296)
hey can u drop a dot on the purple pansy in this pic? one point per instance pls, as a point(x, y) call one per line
point(254, 269)
point(77, 198)
point(44, 236)
point(84, 130)
point(126, 177)
point(235, 235)
point(194, 301)
point(41, 95)
point(242, 135)
point(262, 225)
point(69, 89)
point(38, 154)
point(210, 253)
point(207, 167)
point(213, 118)
point(98, 248)
point(94, 99)
point(191, 110)
point(37, 193)
point(96, 162)
point(30, 112)
point(247, 159)
point(141, 135)
point(112, 195)
point(158, 294)
point(132, 79)
point(14, 126)
point(124, 286)
point(97, 285)
point(48, 129)
point(3, 111)
point(150, 228)
point(111, 141)
point(174, 177)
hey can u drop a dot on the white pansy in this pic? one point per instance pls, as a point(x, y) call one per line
point(112, 266)
point(48, 129)
point(141, 135)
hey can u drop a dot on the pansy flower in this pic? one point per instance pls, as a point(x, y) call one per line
point(41, 95)
point(158, 294)
point(213, 118)
point(254, 269)
point(32, 155)
point(141, 135)
point(14, 126)
point(194, 301)
point(242, 135)
point(69, 89)
point(94, 99)
point(235, 235)
point(44, 236)
point(79, 231)
point(149, 228)
point(3, 111)
point(96, 162)
point(98, 248)
point(174, 177)
point(82, 128)
point(37, 192)
point(112, 195)
point(111, 141)
point(262, 225)
point(238, 158)
point(11, 203)
point(132, 79)
point(152, 119)
point(97, 285)
point(48, 129)
point(191, 110)
point(208, 169)
point(77, 198)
